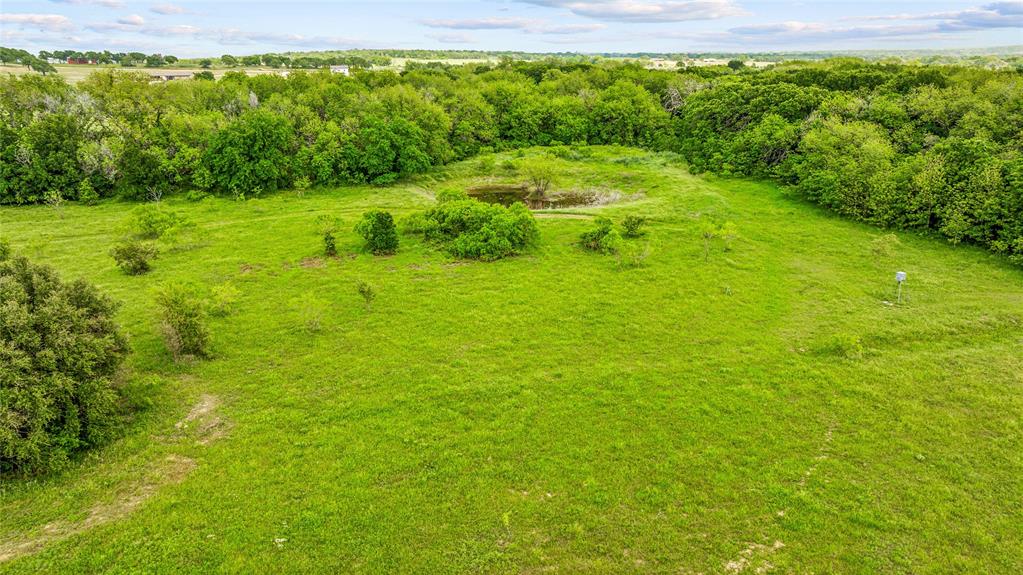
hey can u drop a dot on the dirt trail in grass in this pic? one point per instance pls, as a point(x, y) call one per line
point(755, 556)
point(202, 424)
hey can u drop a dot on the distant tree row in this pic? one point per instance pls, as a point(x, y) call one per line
point(107, 57)
point(902, 146)
point(15, 56)
point(301, 61)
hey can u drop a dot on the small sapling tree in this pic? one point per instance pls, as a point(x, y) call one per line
point(367, 292)
point(183, 320)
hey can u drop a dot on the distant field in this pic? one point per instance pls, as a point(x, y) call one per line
point(76, 73)
point(750, 406)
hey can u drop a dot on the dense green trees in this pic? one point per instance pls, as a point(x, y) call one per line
point(59, 351)
point(909, 146)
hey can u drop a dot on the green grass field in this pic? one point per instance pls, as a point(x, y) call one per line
point(760, 410)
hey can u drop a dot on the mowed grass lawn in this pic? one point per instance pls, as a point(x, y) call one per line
point(759, 409)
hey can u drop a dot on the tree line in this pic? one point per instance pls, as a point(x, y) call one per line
point(898, 145)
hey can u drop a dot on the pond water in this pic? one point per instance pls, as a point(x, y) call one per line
point(507, 195)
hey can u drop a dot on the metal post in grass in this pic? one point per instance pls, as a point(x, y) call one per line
point(900, 277)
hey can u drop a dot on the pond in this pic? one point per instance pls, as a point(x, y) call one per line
point(508, 194)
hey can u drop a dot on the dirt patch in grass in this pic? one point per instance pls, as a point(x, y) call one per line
point(202, 424)
point(171, 470)
point(753, 558)
point(312, 263)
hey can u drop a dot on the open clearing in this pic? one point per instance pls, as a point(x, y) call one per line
point(758, 410)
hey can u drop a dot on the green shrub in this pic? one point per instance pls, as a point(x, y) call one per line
point(133, 256)
point(59, 350)
point(445, 196)
point(197, 195)
point(5, 250)
point(476, 230)
point(183, 320)
point(846, 345)
point(328, 227)
point(152, 221)
point(222, 299)
point(367, 292)
point(602, 238)
point(632, 226)
point(87, 194)
point(485, 164)
point(378, 229)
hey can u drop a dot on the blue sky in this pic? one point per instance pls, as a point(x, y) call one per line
point(212, 28)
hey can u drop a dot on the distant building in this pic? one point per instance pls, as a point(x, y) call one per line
point(168, 76)
point(343, 69)
point(81, 61)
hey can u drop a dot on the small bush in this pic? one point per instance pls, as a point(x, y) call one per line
point(183, 320)
point(59, 350)
point(846, 345)
point(133, 256)
point(328, 227)
point(5, 250)
point(378, 229)
point(152, 221)
point(222, 299)
point(445, 196)
point(632, 226)
point(87, 194)
point(603, 238)
point(367, 292)
point(486, 164)
point(197, 195)
point(476, 230)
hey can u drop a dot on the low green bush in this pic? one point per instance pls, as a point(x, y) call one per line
point(5, 250)
point(378, 229)
point(183, 320)
point(87, 194)
point(222, 299)
point(602, 238)
point(59, 350)
point(475, 230)
point(632, 226)
point(133, 256)
point(367, 292)
point(328, 227)
point(152, 221)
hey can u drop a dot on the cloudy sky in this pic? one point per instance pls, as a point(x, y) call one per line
point(245, 27)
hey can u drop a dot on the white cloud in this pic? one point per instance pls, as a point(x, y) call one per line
point(480, 24)
point(104, 3)
point(167, 9)
point(132, 20)
point(896, 27)
point(646, 10)
point(45, 22)
point(523, 24)
point(453, 38)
